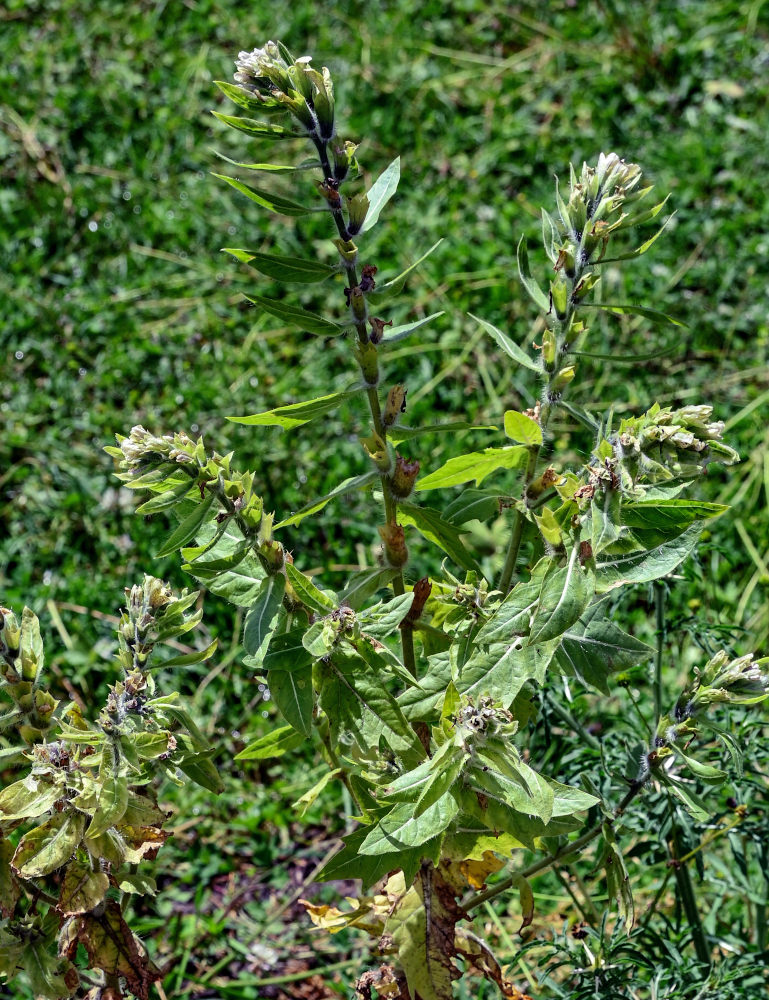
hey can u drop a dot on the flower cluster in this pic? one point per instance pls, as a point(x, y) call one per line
point(280, 83)
point(665, 444)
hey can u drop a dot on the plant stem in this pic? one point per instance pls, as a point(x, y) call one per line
point(689, 899)
point(659, 608)
point(390, 503)
point(565, 715)
point(518, 523)
point(562, 853)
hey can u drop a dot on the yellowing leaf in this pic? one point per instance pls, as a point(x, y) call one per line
point(49, 846)
point(476, 872)
point(82, 889)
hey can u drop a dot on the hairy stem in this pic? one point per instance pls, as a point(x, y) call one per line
point(659, 609)
point(390, 502)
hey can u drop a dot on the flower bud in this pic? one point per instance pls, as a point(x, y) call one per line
point(559, 297)
point(378, 452)
point(377, 328)
point(403, 478)
point(394, 540)
point(395, 405)
point(344, 159)
point(357, 209)
point(347, 250)
point(366, 356)
point(548, 349)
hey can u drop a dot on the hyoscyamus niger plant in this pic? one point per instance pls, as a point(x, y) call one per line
point(418, 692)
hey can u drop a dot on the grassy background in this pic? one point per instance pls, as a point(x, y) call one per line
point(117, 308)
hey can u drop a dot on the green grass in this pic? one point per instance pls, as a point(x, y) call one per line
point(117, 308)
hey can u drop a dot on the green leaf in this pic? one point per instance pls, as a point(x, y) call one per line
point(614, 571)
point(522, 429)
point(350, 863)
point(189, 527)
point(475, 466)
point(472, 504)
point(244, 99)
point(381, 191)
point(272, 744)
point(669, 515)
point(383, 619)
point(186, 659)
point(400, 828)
point(568, 800)
point(565, 595)
point(502, 671)
point(313, 598)
point(627, 309)
point(400, 433)
point(286, 651)
point(270, 167)
point(291, 690)
point(260, 618)
point(28, 798)
point(357, 483)
point(705, 772)
point(511, 349)
point(444, 534)
point(419, 702)
point(239, 584)
point(290, 269)
point(262, 130)
point(365, 584)
point(512, 782)
point(535, 292)
point(112, 799)
point(392, 287)
point(273, 202)
point(399, 332)
point(303, 803)
point(138, 884)
point(593, 648)
point(48, 847)
point(693, 804)
point(296, 316)
point(201, 769)
point(513, 616)
point(297, 414)
point(632, 254)
point(360, 708)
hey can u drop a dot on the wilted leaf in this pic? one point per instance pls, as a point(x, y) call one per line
point(82, 888)
point(111, 947)
point(477, 871)
point(48, 847)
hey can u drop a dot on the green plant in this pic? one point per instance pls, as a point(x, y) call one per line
point(414, 695)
